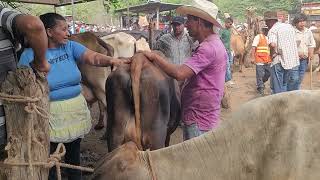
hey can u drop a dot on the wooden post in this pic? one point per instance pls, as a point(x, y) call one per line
point(151, 32)
point(253, 29)
point(310, 62)
point(27, 133)
point(158, 13)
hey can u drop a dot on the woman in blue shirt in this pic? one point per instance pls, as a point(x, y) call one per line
point(70, 118)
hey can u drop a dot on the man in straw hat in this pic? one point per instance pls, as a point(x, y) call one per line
point(204, 71)
point(284, 54)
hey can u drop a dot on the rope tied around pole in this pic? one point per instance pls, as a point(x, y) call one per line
point(31, 107)
point(55, 158)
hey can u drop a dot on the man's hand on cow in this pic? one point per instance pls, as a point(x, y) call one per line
point(149, 55)
point(120, 61)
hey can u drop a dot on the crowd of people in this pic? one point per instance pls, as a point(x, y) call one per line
point(282, 52)
point(196, 55)
point(81, 27)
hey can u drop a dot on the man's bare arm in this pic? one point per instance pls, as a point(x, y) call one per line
point(179, 72)
point(32, 28)
point(96, 59)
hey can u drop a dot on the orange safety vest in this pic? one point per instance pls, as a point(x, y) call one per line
point(262, 54)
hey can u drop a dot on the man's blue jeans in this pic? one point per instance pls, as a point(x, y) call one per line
point(229, 63)
point(191, 131)
point(302, 69)
point(283, 80)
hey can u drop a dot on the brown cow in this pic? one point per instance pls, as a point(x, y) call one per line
point(148, 112)
point(94, 77)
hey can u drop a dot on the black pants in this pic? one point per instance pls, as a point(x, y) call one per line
point(72, 157)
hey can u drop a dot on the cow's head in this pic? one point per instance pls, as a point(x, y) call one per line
point(122, 164)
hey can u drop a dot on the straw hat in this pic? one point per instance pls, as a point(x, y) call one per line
point(269, 15)
point(203, 9)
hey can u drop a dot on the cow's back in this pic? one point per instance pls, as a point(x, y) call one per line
point(122, 43)
point(156, 92)
point(237, 44)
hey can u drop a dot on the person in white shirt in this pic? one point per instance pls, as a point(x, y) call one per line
point(305, 43)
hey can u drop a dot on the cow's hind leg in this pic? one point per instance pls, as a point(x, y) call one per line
point(241, 62)
point(100, 123)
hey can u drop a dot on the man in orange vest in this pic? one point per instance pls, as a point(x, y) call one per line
point(261, 57)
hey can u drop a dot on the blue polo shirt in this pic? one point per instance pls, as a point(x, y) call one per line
point(64, 76)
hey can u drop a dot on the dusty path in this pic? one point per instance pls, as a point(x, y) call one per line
point(93, 148)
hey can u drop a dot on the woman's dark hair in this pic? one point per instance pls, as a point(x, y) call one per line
point(299, 18)
point(49, 20)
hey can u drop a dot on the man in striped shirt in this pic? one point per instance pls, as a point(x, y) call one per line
point(177, 45)
point(284, 54)
point(14, 28)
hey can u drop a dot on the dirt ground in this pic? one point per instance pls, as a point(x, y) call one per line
point(93, 147)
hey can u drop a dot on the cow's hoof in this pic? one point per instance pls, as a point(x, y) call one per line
point(98, 126)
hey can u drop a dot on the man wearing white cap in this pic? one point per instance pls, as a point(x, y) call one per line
point(204, 72)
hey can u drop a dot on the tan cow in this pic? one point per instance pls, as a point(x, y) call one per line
point(269, 138)
point(316, 35)
point(238, 47)
point(122, 43)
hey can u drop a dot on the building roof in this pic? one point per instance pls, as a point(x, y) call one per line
point(56, 3)
point(150, 7)
point(314, 18)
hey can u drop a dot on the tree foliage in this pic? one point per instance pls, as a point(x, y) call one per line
point(236, 8)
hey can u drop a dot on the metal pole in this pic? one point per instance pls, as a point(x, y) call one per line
point(72, 10)
point(55, 9)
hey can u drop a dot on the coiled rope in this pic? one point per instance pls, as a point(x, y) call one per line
point(55, 158)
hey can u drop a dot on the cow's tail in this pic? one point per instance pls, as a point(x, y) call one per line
point(135, 69)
